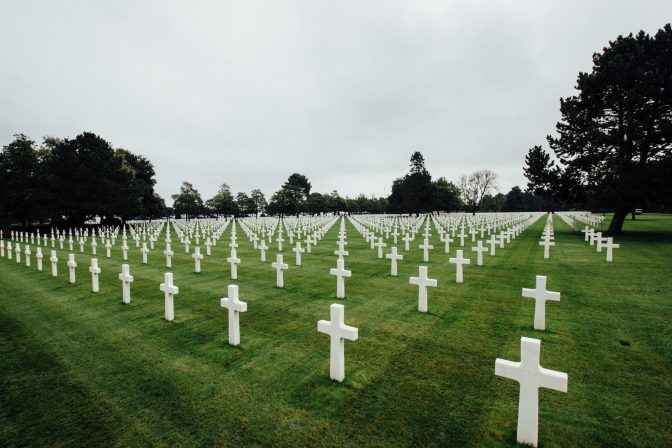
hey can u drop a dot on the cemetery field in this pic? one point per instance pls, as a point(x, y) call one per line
point(83, 369)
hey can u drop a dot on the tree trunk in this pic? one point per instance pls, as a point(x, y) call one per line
point(616, 225)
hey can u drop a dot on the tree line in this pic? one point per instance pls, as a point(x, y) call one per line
point(415, 192)
point(70, 181)
point(613, 149)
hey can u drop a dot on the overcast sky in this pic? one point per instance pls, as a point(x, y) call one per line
point(249, 92)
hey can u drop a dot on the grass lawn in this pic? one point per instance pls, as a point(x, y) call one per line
point(83, 369)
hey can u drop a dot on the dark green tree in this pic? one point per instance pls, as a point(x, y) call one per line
point(413, 193)
point(259, 201)
point(20, 185)
point(188, 201)
point(614, 143)
point(222, 203)
point(446, 196)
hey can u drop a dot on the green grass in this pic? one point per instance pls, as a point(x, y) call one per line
point(82, 369)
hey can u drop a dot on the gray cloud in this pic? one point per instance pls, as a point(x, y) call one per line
point(249, 92)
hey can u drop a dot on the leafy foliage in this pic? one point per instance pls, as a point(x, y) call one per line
point(614, 143)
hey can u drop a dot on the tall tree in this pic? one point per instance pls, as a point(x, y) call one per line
point(258, 200)
point(413, 193)
point(222, 203)
point(446, 196)
point(614, 142)
point(20, 189)
point(188, 201)
point(296, 191)
point(475, 186)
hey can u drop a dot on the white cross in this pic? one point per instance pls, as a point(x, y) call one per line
point(459, 261)
point(26, 252)
point(586, 233)
point(462, 237)
point(279, 267)
point(393, 257)
point(72, 264)
point(54, 264)
point(298, 251)
point(94, 246)
point(169, 254)
point(39, 256)
point(423, 282)
point(235, 307)
point(208, 245)
point(95, 272)
point(279, 240)
point(341, 252)
point(186, 246)
point(170, 291)
point(492, 242)
point(108, 249)
point(599, 239)
point(472, 231)
point(425, 246)
point(338, 332)
point(479, 249)
point(124, 250)
point(445, 238)
point(547, 243)
point(407, 239)
point(144, 251)
point(340, 273)
point(531, 376)
point(234, 261)
point(262, 249)
point(126, 279)
point(197, 256)
point(540, 295)
point(380, 246)
point(610, 245)
point(17, 250)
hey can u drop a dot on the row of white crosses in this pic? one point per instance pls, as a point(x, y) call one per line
point(547, 236)
point(528, 371)
point(594, 238)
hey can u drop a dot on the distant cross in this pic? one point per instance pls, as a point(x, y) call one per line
point(425, 246)
point(234, 261)
point(540, 295)
point(235, 307)
point(407, 239)
point(72, 264)
point(26, 252)
point(197, 256)
point(547, 243)
point(479, 249)
point(423, 282)
point(144, 251)
point(340, 274)
point(531, 376)
point(126, 279)
point(279, 267)
point(170, 291)
point(445, 238)
point(169, 255)
point(38, 257)
point(298, 250)
point(380, 246)
point(124, 250)
point(338, 332)
point(462, 236)
point(208, 246)
point(492, 242)
point(393, 257)
point(95, 272)
point(262, 250)
point(54, 264)
point(610, 246)
point(459, 261)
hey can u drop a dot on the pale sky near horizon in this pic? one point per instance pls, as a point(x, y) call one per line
point(249, 92)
